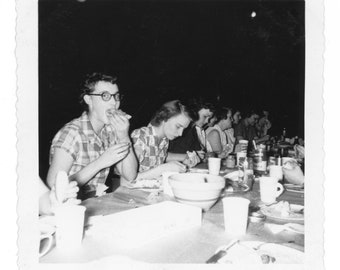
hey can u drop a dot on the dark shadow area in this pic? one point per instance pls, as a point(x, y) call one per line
point(242, 54)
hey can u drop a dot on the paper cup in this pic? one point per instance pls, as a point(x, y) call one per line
point(240, 155)
point(70, 226)
point(276, 171)
point(235, 210)
point(270, 189)
point(166, 187)
point(214, 165)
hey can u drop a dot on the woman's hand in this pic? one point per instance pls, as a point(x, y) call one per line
point(174, 166)
point(120, 122)
point(114, 154)
point(192, 159)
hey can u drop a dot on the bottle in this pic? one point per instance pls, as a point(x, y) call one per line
point(283, 136)
point(260, 161)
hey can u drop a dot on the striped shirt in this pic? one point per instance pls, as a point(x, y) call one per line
point(81, 142)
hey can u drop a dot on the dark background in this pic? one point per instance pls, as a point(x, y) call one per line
point(163, 50)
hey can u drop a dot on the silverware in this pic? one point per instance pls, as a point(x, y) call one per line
point(222, 252)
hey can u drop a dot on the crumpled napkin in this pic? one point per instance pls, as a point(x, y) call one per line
point(100, 189)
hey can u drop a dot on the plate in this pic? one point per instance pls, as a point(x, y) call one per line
point(234, 187)
point(294, 188)
point(295, 216)
point(252, 252)
point(147, 185)
point(234, 176)
point(197, 170)
point(281, 253)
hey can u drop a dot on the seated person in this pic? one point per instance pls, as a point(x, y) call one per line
point(151, 143)
point(216, 136)
point(86, 147)
point(59, 194)
point(194, 138)
point(263, 124)
point(230, 132)
point(246, 130)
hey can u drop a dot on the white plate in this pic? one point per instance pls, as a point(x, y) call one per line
point(244, 253)
point(269, 212)
point(294, 188)
point(281, 253)
point(197, 170)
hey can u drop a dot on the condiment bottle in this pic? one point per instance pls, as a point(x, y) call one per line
point(260, 161)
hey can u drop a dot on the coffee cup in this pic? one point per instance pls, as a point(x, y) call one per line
point(70, 226)
point(46, 241)
point(270, 189)
point(276, 171)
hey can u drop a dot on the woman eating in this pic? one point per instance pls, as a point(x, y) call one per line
point(88, 146)
point(151, 143)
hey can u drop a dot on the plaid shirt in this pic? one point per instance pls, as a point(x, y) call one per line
point(154, 150)
point(81, 142)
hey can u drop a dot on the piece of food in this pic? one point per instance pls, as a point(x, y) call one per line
point(120, 112)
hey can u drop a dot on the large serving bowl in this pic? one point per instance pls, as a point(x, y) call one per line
point(197, 189)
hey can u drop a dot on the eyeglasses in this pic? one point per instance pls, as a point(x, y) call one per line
point(106, 96)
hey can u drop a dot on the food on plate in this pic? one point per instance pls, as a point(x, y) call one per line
point(148, 184)
point(283, 209)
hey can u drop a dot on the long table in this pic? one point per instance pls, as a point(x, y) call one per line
point(190, 246)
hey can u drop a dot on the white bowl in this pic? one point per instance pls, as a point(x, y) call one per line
point(197, 189)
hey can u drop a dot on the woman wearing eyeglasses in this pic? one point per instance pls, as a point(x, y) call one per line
point(88, 146)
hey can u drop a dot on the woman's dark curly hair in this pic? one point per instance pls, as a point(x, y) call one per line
point(168, 110)
point(90, 82)
point(222, 113)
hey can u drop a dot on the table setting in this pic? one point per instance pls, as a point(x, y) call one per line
point(193, 216)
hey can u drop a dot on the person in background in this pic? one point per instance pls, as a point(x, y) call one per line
point(246, 130)
point(86, 147)
point(236, 117)
point(194, 138)
point(216, 136)
point(211, 122)
point(230, 132)
point(263, 124)
point(151, 143)
point(59, 194)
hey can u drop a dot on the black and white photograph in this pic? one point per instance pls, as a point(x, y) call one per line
point(170, 133)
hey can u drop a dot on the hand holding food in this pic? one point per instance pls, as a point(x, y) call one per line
point(120, 122)
point(192, 159)
point(174, 166)
point(63, 191)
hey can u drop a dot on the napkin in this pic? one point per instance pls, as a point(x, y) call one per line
point(100, 190)
point(234, 176)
